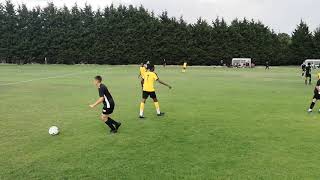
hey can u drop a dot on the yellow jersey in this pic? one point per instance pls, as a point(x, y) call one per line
point(185, 65)
point(149, 80)
point(142, 71)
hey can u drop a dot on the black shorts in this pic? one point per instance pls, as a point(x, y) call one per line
point(146, 94)
point(316, 96)
point(308, 75)
point(108, 111)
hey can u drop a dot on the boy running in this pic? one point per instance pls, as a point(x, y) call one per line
point(316, 95)
point(149, 78)
point(108, 105)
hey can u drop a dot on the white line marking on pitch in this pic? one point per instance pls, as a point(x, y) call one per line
point(44, 78)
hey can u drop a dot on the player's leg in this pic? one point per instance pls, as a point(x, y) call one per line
point(106, 113)
point(115, 123)
point(306, 80)
point(310, 79)
point(156, 103)
point(105, 119)
point(314, 100)
point(145, 95)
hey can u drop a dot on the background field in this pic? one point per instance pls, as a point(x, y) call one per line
point(220, 124)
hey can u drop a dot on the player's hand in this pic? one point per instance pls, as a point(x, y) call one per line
point(91, 105)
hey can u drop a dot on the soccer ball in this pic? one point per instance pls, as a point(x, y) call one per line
point(53, 130)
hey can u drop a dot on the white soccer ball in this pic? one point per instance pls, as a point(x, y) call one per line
point(53, 130)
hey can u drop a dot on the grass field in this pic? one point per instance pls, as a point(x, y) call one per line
point(219, 124)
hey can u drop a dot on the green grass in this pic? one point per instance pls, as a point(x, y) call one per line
point(219, 124)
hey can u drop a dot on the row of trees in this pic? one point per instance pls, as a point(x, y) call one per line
point(130, 35)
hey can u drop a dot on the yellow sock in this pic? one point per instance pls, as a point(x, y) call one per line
point(141, 108)
point(156, 104)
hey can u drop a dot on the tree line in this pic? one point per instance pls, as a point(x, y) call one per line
point(131, 35)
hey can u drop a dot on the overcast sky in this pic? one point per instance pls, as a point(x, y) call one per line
point(280, 15)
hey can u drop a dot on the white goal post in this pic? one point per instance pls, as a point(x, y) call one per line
point(241, 61)
point(314, 62)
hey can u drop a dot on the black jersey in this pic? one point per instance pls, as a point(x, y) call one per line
point(315, 89)
point(104, 92)
point(303, 67)
point(308, 70)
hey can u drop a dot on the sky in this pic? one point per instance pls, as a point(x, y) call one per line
point(279, 15)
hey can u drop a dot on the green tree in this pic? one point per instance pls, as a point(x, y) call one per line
point(302, 46)
point(316, 40)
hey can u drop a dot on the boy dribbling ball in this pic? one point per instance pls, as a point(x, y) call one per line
point(108, 105)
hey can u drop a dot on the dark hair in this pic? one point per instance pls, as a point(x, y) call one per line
point(98, 78)
point(150, 66)
point(309, 63)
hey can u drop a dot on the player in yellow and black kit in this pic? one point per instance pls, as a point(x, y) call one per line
point(149, 78)
point(143, 70)
point(184, 67)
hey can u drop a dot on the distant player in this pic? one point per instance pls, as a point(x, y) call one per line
point(316, 95)
point(164, 63)
point(308, 74)
point(108, 105)
point(267, 65)
point(184, 67)
point(149, 78)
point(142, 70)
point(303, 68)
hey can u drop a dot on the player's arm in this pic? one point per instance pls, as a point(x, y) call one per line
point(99, 101)
point(101, 97)
point(163, 83)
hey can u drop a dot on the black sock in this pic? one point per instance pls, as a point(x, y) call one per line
point(110, 125)
point(312, 105)
point(113, 121)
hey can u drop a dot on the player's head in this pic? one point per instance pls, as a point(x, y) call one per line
point(97, 80)
point(309, 64)
point(151, 67)
point(142, 64)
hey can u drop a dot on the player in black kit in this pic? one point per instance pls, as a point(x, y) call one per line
point(108, 105)
point(303, 68)
point(267, 65)
point(316, 95)
point(308, 74)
